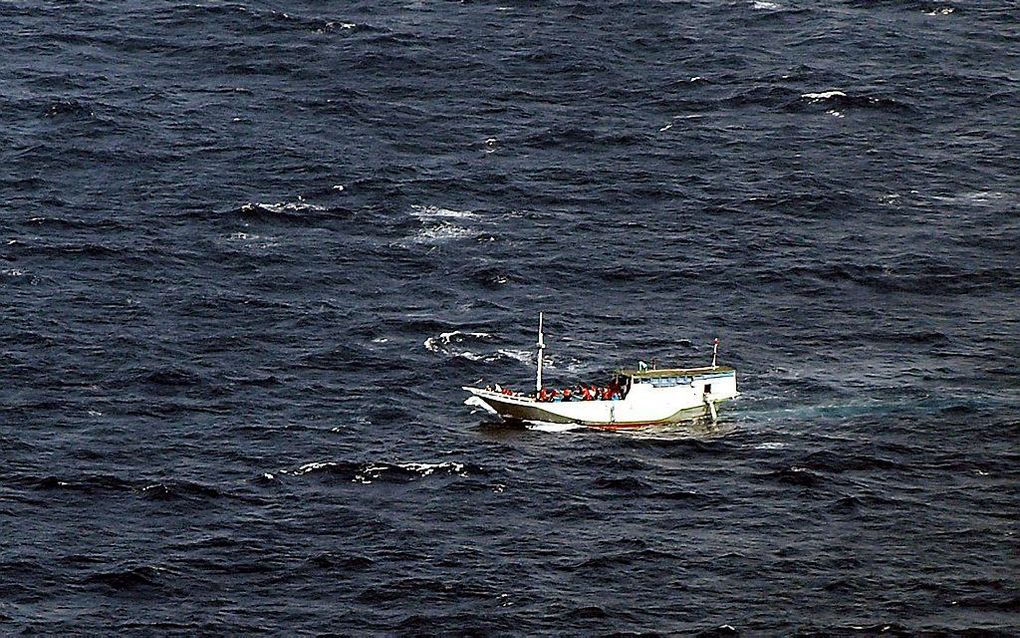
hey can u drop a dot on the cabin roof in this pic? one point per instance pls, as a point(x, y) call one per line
point(674, 372)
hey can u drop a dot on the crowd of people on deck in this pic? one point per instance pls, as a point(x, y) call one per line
point(611, 392)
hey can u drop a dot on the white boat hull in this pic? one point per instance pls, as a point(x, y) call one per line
point(698, 395)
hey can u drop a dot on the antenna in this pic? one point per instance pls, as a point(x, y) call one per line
point(541, 357)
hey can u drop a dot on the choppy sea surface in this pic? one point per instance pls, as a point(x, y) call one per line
point(250, 251)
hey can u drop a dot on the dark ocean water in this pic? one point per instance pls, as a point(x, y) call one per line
point(249, 252)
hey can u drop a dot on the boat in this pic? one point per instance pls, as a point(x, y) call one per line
point(634, 398)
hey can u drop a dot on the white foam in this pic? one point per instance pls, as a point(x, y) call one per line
point(764, 6)
point(373, 472)
point(542, 426)
point(311, 467)
point(283, 207)
point(436, 212)
point(825, 95)
point(434, 344)
point(523, 356)
point(940, 11)
point(426, 469)
point(440, 233)
point(985, 198)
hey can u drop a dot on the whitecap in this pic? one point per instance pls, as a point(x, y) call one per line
point(437, 212)
point(426, 469)
point(441, 232)
point(522, 356)
point(283, 207)
point(311, 467)
point(435, 344)
point(759, 5)
point(373, 472)
point(825, 95)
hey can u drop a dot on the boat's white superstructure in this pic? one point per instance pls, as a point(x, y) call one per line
point(635, 398)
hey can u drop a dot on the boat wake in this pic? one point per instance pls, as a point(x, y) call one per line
point(545, 426)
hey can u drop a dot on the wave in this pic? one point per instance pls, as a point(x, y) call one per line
point(384, 472)
point(88, 483)
point(582, 138)
point(70, 109)
point(440, 342)
point(171, 377)
point(445, 344)
point(823, 96)
point(914, 278)
point(165, 490)
point(171, 490)
point(439, 225)
point(294, 212)
point(15, 276)
point(70, 223)
point(838, 99)
point(626, 484)
point(130, 578)
point(437, 212)
point(795, 476)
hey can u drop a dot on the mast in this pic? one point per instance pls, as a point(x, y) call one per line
point(541, 349)
point(715, 352)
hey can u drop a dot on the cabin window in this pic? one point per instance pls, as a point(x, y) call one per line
point(708, 388)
